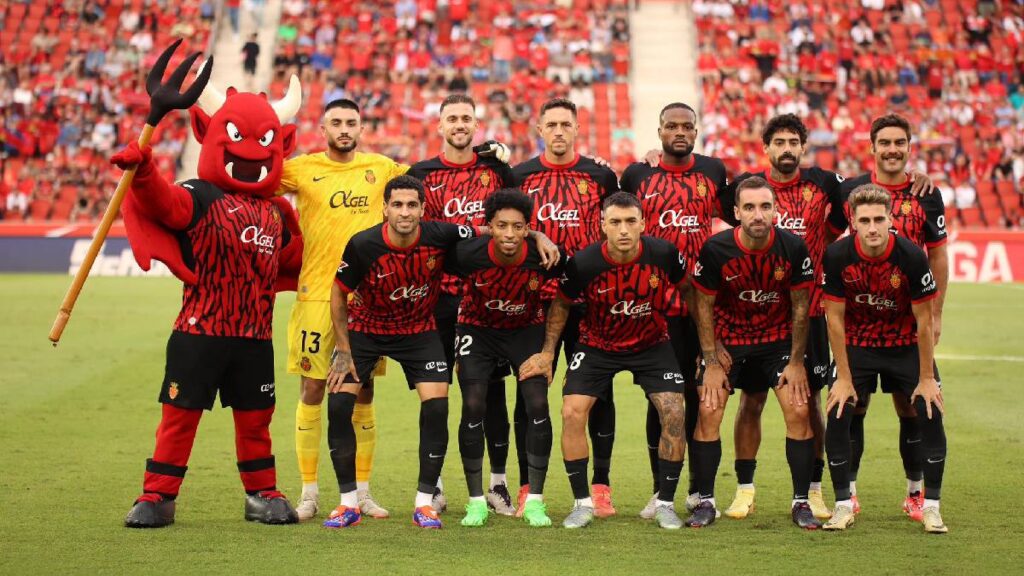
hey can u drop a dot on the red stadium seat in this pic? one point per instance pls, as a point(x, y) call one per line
point(971, 217)
point(39, 209)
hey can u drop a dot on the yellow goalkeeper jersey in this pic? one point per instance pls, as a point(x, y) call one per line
point(335, 200)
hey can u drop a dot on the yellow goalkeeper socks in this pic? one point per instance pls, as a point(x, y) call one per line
point(307, 440)
point(365, 423)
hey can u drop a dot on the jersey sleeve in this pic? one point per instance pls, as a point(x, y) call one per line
point(833, 280)
point(831, 183)
point(922, 282)
point(674, 264)
point(707, 273)
point(569, 286)
point(450, 234)
point(396, 169)
point(803, 267)
point(630, 181)
point(727, 199)
point(609, 182)
point(504, 171)
point(837, 217)
point(290, 177)
point(352, 269)
point(935, 220)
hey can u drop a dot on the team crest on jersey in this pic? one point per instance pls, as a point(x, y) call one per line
point(780, 272)
point(485, 179)
point(431, 262)
point(370, 177)
point(808, 193)
point(581, 185)
point(906, 207)
point(894, 280)
point(306, 364)
point(172, 392)
point(534, 283)
point(653, 281)
point(702, 189)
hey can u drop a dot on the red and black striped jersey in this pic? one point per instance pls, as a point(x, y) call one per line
point(921, 219)
point(626, 303)
point(232, 243)
point(752, 287)
point(802, 206)
point(879, 292)
point(496, 295)
point(395, 289)
point(456, 192)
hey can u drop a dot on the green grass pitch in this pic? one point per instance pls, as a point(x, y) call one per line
point(77, 423)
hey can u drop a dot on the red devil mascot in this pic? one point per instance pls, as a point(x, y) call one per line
point(228, 240)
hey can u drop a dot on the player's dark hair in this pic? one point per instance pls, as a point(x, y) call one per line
point(750, 184)
point(675, 106)
point(508, 198)
point(622, 200)
point(784, 122)
point(889, 121)
point(453, 99)
point(343, 103)
point(558, 103)
point(870, 194)
point(404, 182)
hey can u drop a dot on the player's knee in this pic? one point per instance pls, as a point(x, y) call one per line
point(312, 391)
point(574, 416)
point(904, 409)
point(365, 395)
point(751, 405)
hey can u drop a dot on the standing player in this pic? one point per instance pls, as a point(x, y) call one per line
point(680, 196)
point(337, 193)
point(922, 220)
point(878, 293)
point(501, 321)
point(567, 190)
point(457, 182)
point(753, 286)
point(625, 283)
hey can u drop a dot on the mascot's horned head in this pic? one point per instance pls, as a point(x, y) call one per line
point(245, 138)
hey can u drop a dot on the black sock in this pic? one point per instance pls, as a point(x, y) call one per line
point(538, 432)
point(745, 471)
point(856, 443)
point(519, 426)
point(933, 438)
point(341, 438)
point(910, 448)
point(433, 442)
point(800, 455)
point(602, 437)
point(496, 426)
point(653, 440)
point(819, 470)
point(691, 411)
point(471, 435)
point(706, 456)
point(577, 471)
point(839, 449)
point(668, 479)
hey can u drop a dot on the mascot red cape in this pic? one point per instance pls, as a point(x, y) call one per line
point(233, 245)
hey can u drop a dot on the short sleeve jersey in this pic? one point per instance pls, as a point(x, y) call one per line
point(879, 292)
point(802, 206)
point(455, 193)
point(497, 295)
point(334, 200)
point(395, 289)
point(922, 220)
point(626, 303)
point(752, 288)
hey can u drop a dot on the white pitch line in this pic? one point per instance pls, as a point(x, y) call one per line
point(981, 358)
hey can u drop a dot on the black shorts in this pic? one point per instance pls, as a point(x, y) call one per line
point(570, 334)
point(756, 367)
point(242, 369)
point(898, 367)
point(421, 355)
point(446, 315)
point(592, 370)
point(484, 351)
point(816, 361)
point(682, 332)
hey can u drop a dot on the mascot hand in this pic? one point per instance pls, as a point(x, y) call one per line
point(132, 155)
point(494, 148)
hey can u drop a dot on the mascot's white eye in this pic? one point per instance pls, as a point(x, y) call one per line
point(233, 132)
point(267, 138)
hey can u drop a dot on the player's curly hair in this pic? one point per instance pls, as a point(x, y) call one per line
point(889, 121)
point(789, 122)
point(404, 182)
point(508, 198)
point(868, 194)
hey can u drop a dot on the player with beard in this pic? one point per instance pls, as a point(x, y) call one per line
point(680, 195)
point(457, 182)
point(922, 220)
point(753, 286)
point(567, 190)
point(338, 193)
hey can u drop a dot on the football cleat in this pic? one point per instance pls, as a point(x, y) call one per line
point(667, 518)
point(269, 507)
point(476, 514)
point(343, 517)
point(818, 506)
point(913, 505)
point(370, 507)
point(426, 517)
point(647, 513)
point(803, 517)
point(742, 505)
point(524, 490)
point(535, 512)
point(856, 504)
point(499, 500)
point(579, 517)
point(440, 502)
point(150, 511)
point(692, 501)
point(842, 518)
point(603, 501)
point(932, 521)
point(308, 507)
point(703, 515)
